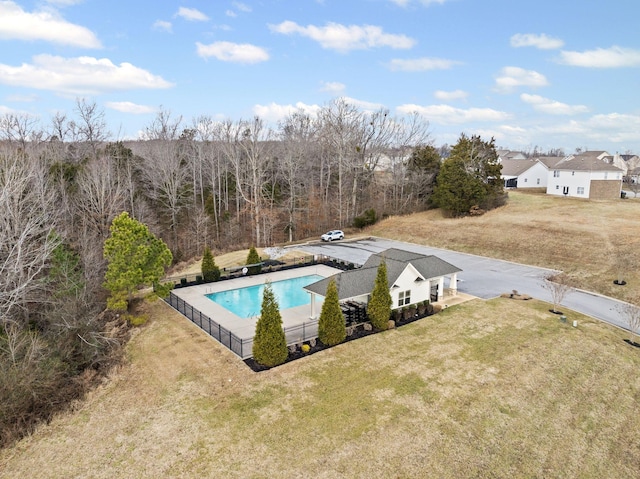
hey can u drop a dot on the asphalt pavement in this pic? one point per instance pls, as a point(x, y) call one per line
point(482, 277)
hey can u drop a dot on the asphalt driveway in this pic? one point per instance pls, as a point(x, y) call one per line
point(481, 277)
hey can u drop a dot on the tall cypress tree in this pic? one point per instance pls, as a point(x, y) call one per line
point(269, 342)
point(331, 326)
point(253, 258)
point(379, 307)
point(210, 271)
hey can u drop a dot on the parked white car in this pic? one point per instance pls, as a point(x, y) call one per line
point(332, 235)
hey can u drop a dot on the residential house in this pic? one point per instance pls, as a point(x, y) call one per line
point(412, 278)
point(528, 173)
point(509, 155)
point(586, 175)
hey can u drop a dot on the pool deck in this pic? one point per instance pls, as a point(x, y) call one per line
point(245, 327)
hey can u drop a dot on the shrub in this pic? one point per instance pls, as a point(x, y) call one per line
point(183, 281)
point(379, 308)
point(253, 258)
point(331, 326)
point(198, 279)
point(136, 321)
point(436, 308)
point(305, 348)
point(210, 270)
point(367, 218)
point(269, 342)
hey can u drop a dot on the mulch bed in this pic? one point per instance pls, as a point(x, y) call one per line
point(358, 333)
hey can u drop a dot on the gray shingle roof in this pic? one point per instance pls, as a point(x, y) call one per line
point(516, 167)
point(585, 163)
point(360, 281)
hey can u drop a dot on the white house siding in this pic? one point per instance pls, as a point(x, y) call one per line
point(534, 177)
point(420, 290)
point(571, 180)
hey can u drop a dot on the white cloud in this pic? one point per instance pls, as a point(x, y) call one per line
point(335, 36)
point(448, 115)
point(540, 41)
point(366, 106)
point(231, 13)
point(163, 25)
point(614, 57)
point(333, 87)
point(275, 112)
point(603, 128)
point(421, 64)
point(450, 95)
point(552, 107)
point(22, 98)
point(129, 107)
point(242, 7)
point(5, 110)
point(17, 24)
point(512, 77)
point(79, 76)
point(233, 52)
point(191, 14)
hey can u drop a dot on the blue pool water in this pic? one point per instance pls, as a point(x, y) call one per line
point(246, 302)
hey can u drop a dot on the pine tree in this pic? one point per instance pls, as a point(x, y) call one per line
point(269, 342)
point(253, 258)
point(135, 257)
point(471, 176)
point(379, 307)
point(210, 272)
point(331, 326)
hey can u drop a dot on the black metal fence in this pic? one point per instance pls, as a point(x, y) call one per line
point(267, 267)
point(243, 347)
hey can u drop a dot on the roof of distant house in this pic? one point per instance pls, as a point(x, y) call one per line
point(585, 163)
point(516, 167)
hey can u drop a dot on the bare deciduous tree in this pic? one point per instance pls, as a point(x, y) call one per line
point(631, 314)
point(559, 286)
point(27, 220)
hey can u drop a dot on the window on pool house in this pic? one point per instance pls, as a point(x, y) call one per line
point(404, 297)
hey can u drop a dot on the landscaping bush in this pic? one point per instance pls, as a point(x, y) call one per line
point(210, 270)
point(367, 218)
point(253, 258)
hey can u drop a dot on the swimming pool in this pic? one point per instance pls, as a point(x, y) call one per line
point(246, 302)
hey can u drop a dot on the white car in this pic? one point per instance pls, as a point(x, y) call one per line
point(332, 235)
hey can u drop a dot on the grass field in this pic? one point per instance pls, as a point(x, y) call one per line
point(497, 388)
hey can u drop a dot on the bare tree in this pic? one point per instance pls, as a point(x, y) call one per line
point(101, 197)
point(559, 286)
point(297, 139)
point(91, 126)
point(631, 314)
point(26, 223)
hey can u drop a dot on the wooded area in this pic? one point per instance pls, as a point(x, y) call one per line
point(228, 184)
point(205, 184)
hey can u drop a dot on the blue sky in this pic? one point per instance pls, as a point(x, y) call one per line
point(556, 74)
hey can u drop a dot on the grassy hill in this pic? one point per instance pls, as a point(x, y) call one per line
point(495, 388)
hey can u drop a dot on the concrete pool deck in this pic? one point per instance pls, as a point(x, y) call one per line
point(245, 328)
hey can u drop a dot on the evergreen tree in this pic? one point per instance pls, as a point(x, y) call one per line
point(269, 342)
point(210, 271)
point(471, 176)
point(253, 258)
point(135, 257)
point(379, 307)
point(331, 326)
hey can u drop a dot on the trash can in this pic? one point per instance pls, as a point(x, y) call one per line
point(563, 319)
